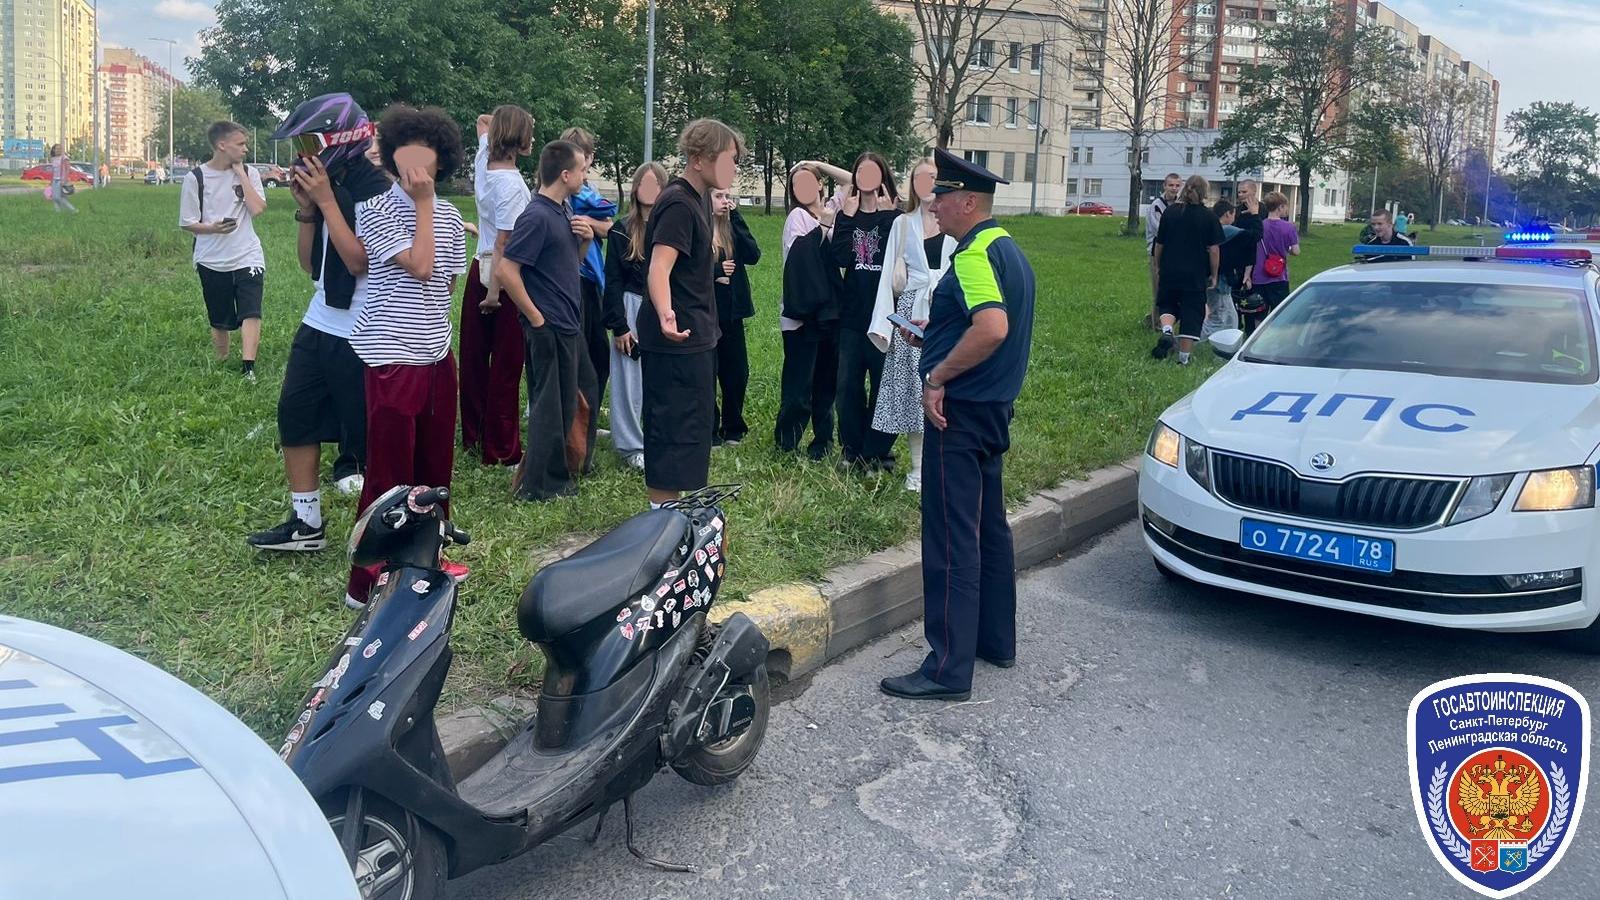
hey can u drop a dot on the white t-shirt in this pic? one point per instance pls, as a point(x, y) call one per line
point(501, 195)
point(405, 321)
point(326, 319)
point(239, 249)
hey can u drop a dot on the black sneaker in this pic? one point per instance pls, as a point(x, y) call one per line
point(293, 535)
point(1163, 346)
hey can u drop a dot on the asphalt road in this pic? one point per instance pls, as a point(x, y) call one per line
point(1156, 740)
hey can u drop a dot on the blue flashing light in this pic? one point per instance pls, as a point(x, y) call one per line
point(1530, 236)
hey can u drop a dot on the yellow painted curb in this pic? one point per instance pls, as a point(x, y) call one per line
point(796, 621)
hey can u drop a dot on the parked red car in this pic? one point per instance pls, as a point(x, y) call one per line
point(1091, 208)
point(42, 173)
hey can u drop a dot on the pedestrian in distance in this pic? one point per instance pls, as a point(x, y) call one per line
point(859, 244)
point(1383, 234)
point(809, 312)
point(323, 398)
point(416, 245)
point(917, 256)
point(1188, 259)
point(60, 180)
point(678, 334)
point(491, 346)
point(974, 359)
point(1269, 276)
point(219, 202)
point(539, 271)
point(736, 249)
point(1170, 186)
point(624, 297)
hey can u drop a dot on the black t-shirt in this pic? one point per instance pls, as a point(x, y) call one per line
point(1186, 232)
point(681, 220)
point(1239, 253)
point(858, 245)
point(933, 249)
point(543, 242)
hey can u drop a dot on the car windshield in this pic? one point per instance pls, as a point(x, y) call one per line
point(1501, 332)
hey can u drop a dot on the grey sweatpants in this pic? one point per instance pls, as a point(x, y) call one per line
point(627, 388)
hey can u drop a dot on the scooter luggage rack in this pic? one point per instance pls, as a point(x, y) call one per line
point(705, 498)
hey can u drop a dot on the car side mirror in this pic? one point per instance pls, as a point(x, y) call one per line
point(1225, 343)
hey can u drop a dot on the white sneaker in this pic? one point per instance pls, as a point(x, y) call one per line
point(352, 603)
point(351, 484)
point(636, 460)
point(914, 482)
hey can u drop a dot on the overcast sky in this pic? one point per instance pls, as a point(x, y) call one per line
point(1538, 49)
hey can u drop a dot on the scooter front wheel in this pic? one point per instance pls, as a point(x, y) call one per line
point(397, 857)
point(722, 762)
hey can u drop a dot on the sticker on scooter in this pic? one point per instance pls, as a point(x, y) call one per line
point(677, 619)
point(623, 614)
point(664, 590)
point(702, 597)
point(372, 648)
point(721, 568)
point(352, 641)
point(376, 710)
point(644, 624)
point(680, 587)
point(296, 733)
point(699, 557)
point(713, 551)
point(694, 578)
point(647, 605)
point(417, 630)
point(421, 586)
point(710, 573)
point(717, 523)
point(284, 751)
point(627, 630)
point(383, 579)
point(670, 604)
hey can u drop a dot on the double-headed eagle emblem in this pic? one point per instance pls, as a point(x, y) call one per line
point(1501, 796)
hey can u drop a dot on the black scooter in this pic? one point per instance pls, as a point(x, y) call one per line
point(636, 678)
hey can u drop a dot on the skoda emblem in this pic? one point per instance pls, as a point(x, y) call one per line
point(1322, 462)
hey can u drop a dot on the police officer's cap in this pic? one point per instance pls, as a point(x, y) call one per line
point(956, 174)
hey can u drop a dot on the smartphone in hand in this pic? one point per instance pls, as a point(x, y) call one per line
point(902, 322)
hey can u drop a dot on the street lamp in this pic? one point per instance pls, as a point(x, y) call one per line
point(172, 81)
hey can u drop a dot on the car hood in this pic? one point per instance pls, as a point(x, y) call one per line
point(1379, 421)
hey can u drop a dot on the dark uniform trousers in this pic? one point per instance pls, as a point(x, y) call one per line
point(969, 571)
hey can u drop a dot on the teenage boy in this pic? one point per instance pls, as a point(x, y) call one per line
point(324, 392)
point(539, 272)
point(1188, 260)
point(1383, 234)
point(678, 343)
point(219, 203)
point(416, 247)
point(590, 208)
point(1152, 221)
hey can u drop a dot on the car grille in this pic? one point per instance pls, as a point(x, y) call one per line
point(1382, 501)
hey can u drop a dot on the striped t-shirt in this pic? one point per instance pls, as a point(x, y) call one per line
point(405, 321)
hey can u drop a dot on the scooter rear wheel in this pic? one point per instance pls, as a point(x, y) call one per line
point(398, 857)
point(723, 762)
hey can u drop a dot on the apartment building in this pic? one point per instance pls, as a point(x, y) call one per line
point(47, 70)
point(135, 91)
point(1015, 118)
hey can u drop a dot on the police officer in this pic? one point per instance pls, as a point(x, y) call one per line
point(974, 356)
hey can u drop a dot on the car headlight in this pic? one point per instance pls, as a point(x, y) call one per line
point(1196, 461)
point(1553, 489)
point(1482, 496)
point(1164, 445)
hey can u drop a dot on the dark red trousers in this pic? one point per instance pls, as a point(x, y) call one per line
point(491, 376)
point(411, 436)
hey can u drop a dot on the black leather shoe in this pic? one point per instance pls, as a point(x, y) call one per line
point(918, 687)
point(1000, 663)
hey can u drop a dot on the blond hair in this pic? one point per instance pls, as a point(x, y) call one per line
point(913, 202)
point(707, 139)
point(638, 213)
point(1275, 201)
point(510, 132)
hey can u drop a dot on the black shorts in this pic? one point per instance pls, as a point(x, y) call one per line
point(231, 297)
point(324, 397)
point(679, 405)
point(1273, 293)
point(1185, 303)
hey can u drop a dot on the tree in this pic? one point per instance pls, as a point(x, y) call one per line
point(197, 109)
point(1437, 114)
point(1296, 104)
point(950, 63)
point(1139, 55)
point(1559, 146)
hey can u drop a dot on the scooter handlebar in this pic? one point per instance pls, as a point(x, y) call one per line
point(432, 496)
point(456, 535)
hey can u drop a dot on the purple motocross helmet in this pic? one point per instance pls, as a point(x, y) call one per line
point(332, 126)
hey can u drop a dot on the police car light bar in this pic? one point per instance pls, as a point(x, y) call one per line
point(1562, 254)
point(1535, 236)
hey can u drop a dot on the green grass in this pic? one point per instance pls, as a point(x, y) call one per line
point(134, 464)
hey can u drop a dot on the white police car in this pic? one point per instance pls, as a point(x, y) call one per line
point(118, 780)
point(1414, 440)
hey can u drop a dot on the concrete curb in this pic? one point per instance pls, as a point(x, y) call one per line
point(809, 625)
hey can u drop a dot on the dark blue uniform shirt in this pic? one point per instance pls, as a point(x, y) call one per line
point(986, 270)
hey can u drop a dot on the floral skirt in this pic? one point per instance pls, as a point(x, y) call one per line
point(900, 392)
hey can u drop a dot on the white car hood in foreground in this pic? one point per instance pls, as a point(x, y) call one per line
point(1424, 424)
point(118, 780)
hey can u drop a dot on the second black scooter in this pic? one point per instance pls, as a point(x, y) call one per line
point(637, 679)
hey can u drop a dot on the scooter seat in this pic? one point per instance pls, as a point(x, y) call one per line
point(569, 594)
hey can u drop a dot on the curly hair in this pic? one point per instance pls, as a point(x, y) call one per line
point(430, 126)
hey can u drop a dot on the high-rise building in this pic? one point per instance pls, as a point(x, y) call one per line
point(47, 70)
point(135, 92)
point(1016, 85)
